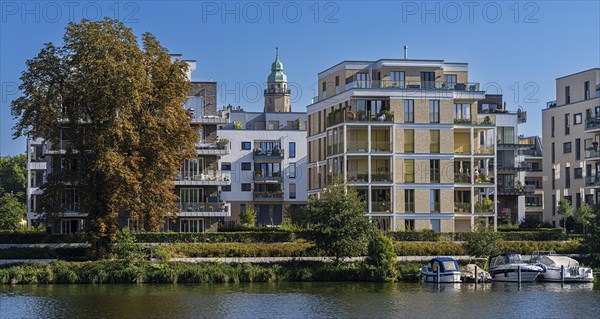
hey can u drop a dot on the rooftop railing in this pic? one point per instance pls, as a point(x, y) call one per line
point(347, 116)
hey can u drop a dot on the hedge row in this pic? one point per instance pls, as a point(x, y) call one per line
point(268, 236)
point(99, 272)
point(44, 253)
point(165, 252)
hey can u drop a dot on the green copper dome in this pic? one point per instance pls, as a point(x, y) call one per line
point(277, 74)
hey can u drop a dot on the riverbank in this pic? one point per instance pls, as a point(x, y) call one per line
point(115, 272)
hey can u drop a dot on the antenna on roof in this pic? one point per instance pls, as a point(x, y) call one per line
point(405, 52)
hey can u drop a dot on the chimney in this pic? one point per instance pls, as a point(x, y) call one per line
point(405, 52)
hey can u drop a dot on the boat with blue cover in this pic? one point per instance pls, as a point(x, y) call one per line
point(447, 268)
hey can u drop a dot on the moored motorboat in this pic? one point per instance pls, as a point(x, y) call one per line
point(510, 266)
point(559, 268)
point(444, 268)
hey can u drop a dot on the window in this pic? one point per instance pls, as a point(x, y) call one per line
point(578, 173)
point(567, 126)
point(225, 166)
point(324, 90)
point(577, 118)
point(434, 171)
point(397, 79)
point(409, 200)
point(450, 81)
point(552, 126)
point(577, 149)
point(363, 80)
point(567, 177)
point(553, 204)
point(427, 80)
point(506, 135)
point(577, 200)
point(434, 141)
point(586, 90)
point(409, 111)
point(553, 178)
point(246, 166)
point(292, 149)
point(246, 187)
point(567, 147)
point(337, 84)
point(409, 171)
point(462, 113)
point(435, 226)
point(434, 111)
point(292, 191)
point(409, 141)
point(292, 170)
point(434, 200)
point(191, 225)
point(226, 188)
point(409, 224)
point(133, 225)
point(246, 145)
point(569, 199)
point(567, 94)
point(553, 151)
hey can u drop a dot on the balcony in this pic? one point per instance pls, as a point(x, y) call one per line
point(462, 207)
point(204, 210)
point(357, 147)
point(209, 179)
point(381, 146)
point(381, 177)
point(535, 207)
point(484, 150)
point(592, 152)
point(592, 181)
point(517, 167)
point(268, 196)
point(205, 119)
point(462, 178)
point(358, 177)
point(592, 124)
point(274, 155)
point(479, 121)
point(381, 206)
point(211, 149)
point(532, 153)
point(275, 177)
point(347, 116)
point(515, 190)
point(420, 85)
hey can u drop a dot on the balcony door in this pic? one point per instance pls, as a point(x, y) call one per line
point(191, 198)
point(427, 80)
point(193, 168)
point(191, 225)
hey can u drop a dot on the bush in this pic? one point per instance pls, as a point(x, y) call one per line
point(38, 237)
point(381, 259)
point(165, 252)
point(127, 247)
point(428, 249)
point(44, 253)
point(483, 242)
point(274, 236)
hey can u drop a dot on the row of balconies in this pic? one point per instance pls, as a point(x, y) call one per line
point(209, 178)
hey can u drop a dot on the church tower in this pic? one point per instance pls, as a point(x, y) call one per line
point(277, 94)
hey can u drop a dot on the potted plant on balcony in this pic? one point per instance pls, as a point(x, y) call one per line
point(298, 124)
point(238, 125)
point(362, 115)
point(222, 143)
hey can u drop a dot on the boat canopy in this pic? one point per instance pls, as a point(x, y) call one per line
point(445, 264)
point(557, 261)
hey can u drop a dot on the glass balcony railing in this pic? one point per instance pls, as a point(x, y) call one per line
point(485, 150)
point(462, 178)
point(592, 123)
point(268, 196)
point(360, 146)
point(592, 181)
point(274, 154)
point(381, 146)
point(462, 207)
point(551, 104)
point(203, 207)
point(358, 177)
point(202, 177)
point(381, 206)
point(414, 85)
point(381, 177)
point(345, 116)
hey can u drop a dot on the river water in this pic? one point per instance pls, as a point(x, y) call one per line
point(302, 300)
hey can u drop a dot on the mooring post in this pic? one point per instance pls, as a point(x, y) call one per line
point(437, 271)
point(476, 275)
point(562, 273)
point(519, 274)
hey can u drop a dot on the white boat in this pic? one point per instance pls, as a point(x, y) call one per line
point(506, 267)
point(468, 274)
point(447, 268)
point(554, 265)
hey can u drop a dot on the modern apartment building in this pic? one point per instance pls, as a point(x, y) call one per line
point(409, 136)
point(570, 136)
point(197, 184)
point(511, 165)
point(267, 158)
point(534, 178)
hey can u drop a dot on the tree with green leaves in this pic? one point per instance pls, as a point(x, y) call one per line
point(338, 222)
point(381, 258)
point(484, 241)
point(592, 241)
point(248, 216)
point(566, 210)
point(13, 175)
point(12, 212)
point(584, 216)
point(119, 107)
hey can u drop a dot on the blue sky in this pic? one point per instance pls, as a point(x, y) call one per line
point(519, 48)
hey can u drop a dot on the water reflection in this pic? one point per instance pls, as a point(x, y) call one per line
point(301, 300)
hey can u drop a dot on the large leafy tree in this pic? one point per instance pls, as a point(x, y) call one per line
point(338, 222)
point(13, 175)
point(121, 108)
point(12, 211)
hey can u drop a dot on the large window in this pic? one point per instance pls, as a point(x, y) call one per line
point(292, 191)
point(409, 111)
point(462, 112)
point(191, 225)
point(506, 135)
point(191, 198)
point(195, 106)
point(246, 145)
point(292, 149)
point(567, 125)
point(409, 171)
point(292, 170)
point(434, 141)
point(450, 80)
point(363, 80)
point(267, 169)
point(427, 80)
point(409, 141)
point(397, 79)
point(409, 200)
point(434, 111)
